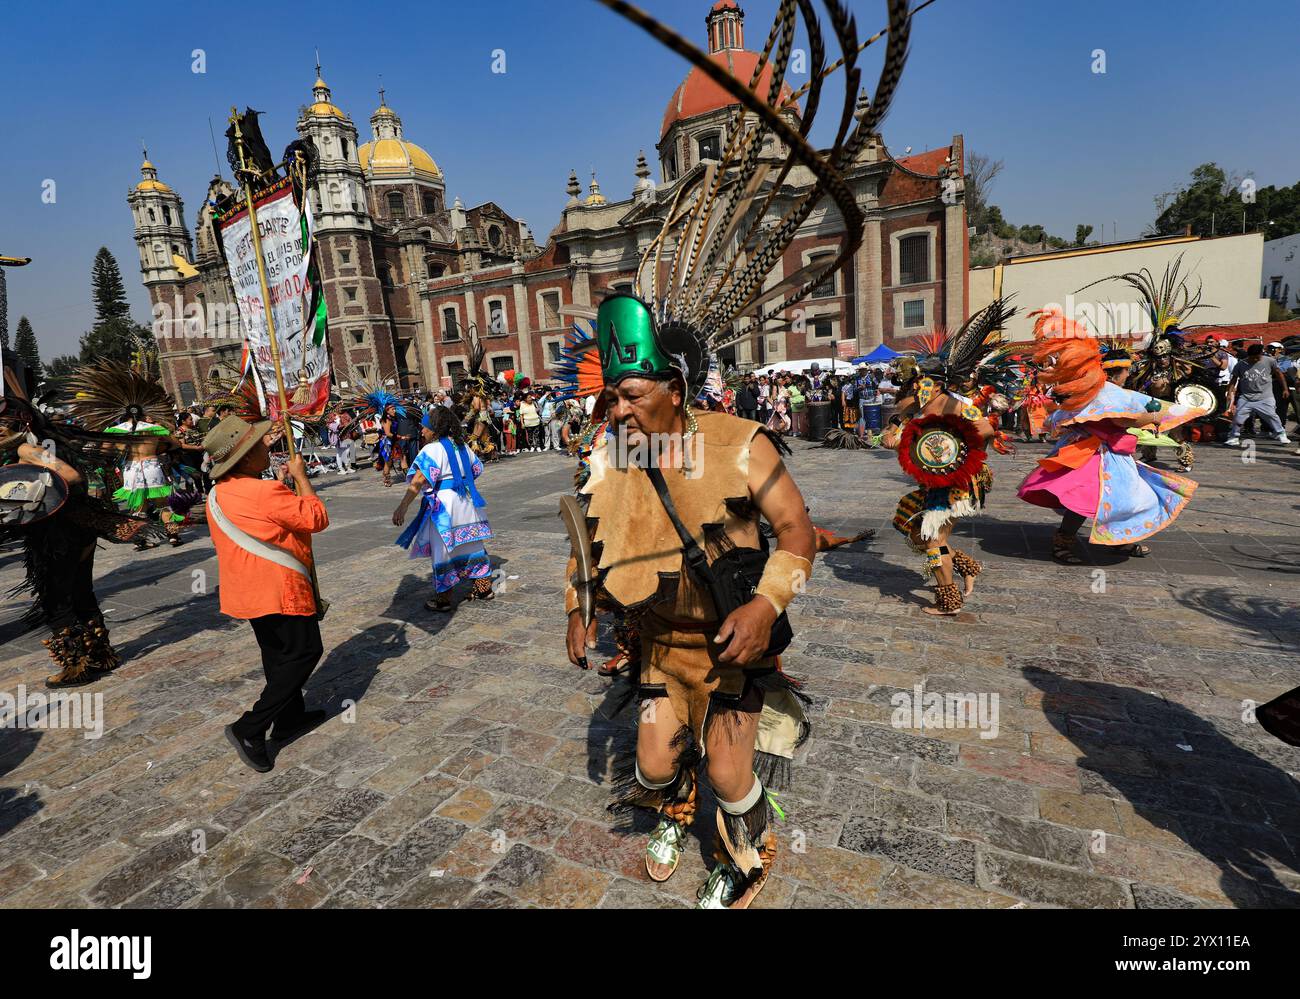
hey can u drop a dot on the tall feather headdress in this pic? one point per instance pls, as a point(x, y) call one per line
point(704, 271)
point(109, 392)
point(1167, 302)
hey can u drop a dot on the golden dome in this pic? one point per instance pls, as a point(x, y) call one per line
point(595, 199)
point(396, 157)
point(325, 107)
point(151, 181)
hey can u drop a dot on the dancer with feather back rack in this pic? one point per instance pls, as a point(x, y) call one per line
point(941, 437)
point(670, 531)
point(45, 504)
point(129, 402)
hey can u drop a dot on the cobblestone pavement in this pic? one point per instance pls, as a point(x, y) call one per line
point(472, 767)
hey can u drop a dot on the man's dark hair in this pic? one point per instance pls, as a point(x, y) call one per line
point(1254, 350)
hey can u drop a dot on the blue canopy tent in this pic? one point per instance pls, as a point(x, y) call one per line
point(878, 356)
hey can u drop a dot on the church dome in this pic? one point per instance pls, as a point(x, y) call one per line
point(388, 154)
point(324, 104)
point(396, 157)
point(151, 181)
point(699, 95)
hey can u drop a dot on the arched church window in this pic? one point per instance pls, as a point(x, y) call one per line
point(152, 216)
point(343, 143)
point(167, 215)
point(710, 145)
point(396, 205)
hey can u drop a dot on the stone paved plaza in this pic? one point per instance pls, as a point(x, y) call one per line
point(470, 766)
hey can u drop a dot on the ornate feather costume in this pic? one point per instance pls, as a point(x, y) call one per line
point(38, 454)
point(942, 427)
point(701, 285)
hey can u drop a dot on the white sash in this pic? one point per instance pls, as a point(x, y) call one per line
point(254, 546)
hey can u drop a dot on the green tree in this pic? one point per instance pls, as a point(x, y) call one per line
point(1032, 234)
point(981, 171)
point(1214, 204)
point(115, 336)
point(1081, 234)
point(63, 366)
point(25, 346)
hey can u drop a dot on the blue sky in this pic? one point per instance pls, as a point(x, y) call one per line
point(1186, 81)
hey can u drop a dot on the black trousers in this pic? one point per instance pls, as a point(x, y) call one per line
point(291, 648)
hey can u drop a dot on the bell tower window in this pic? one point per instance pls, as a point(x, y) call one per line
point(396, 205)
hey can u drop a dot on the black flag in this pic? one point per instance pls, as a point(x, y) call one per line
point(256, 155)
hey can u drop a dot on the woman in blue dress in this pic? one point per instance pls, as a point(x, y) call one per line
point(451, 526)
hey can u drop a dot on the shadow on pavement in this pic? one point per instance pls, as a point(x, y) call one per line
point(16, 744)
point(1230, 805)
point(1231, 606)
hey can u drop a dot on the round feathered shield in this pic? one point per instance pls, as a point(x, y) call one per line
point(941, 450)
point(29, 493)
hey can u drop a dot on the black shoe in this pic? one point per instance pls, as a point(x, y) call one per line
point(309, 721)
point(252, 752)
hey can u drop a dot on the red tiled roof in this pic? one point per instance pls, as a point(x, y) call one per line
point(927, 163)
point(1264, 332)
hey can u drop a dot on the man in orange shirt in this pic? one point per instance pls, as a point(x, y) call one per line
point(262, 532)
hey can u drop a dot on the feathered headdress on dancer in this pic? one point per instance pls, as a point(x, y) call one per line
point(1167, 303)
point(578, 371)
point(476, 382)
point(112, 392)
point(1068, 358)
point(704, 271)
point(955, 358)
point(375, 399)
point(1116, 352)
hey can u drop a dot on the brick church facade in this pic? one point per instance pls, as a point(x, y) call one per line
point(407, 277)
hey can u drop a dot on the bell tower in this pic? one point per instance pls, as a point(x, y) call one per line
point(160, 232)
point(726, 24)
point(339, 197)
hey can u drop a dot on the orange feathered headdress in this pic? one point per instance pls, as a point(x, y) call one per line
point(1068, 358)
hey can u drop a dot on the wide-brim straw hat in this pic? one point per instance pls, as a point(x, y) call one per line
point(230, 440)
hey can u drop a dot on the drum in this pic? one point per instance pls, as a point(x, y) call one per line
point(1197, 397)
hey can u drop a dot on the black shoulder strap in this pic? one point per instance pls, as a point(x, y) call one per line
point(696, 560)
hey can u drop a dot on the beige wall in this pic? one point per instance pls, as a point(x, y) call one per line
point(1227, 267)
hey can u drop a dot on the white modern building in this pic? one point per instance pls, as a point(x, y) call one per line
point(1281, 281)
point(1226, 268)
